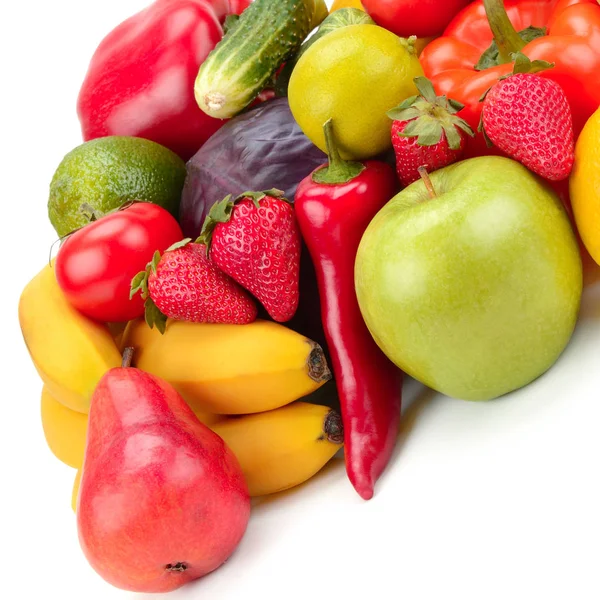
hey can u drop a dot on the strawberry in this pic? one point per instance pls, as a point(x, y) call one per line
point(426, 132)
point(528, 117)
point(255, 239)
point(184, 285)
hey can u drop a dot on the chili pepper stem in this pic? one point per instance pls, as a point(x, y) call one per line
point(506, 36)
point(338, 170)
point(427, 181)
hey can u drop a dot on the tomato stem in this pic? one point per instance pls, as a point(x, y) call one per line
point(507, 39)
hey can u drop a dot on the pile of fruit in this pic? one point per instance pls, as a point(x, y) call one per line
point(275, 214)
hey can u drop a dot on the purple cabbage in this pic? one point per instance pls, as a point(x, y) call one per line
point(258, 150)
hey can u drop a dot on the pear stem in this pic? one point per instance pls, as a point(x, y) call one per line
point(506, 36)
point(127, 357)
point(427, 181)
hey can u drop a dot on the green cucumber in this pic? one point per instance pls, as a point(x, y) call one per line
point(340, 18)
point(267, 34)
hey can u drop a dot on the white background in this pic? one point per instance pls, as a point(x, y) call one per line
point(482, 501)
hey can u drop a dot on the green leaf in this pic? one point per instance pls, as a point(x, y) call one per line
point(491, 57)
point(455, 106)
point(154, 262)
point(427, 131)
point(406, 114)
point(256, 197)
point(179, 244)
point(452, 136)
point(481, 129)
point(426, 89)
point(220, 212)
point(464, 126)
point(154, 317)
point(523, 64)
point(139, 284)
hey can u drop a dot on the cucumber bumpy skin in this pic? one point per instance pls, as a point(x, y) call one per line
point(243, 62)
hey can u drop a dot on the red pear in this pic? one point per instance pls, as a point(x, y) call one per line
point(162, 499)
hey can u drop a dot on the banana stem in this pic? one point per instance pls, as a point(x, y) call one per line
point(506, 36)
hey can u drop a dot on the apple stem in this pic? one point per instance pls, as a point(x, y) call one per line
point(127, 357)
point(427, 181)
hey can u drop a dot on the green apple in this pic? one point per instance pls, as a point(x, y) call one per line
point(475, 292)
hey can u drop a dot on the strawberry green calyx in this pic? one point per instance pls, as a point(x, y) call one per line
point(221, 212)
point(431, 116)
point(522, 64)
point(338, 170)
point(139, 284)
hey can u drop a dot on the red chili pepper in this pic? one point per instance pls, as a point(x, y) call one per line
point(140, 81)
point(334, 206)
point(571, 42)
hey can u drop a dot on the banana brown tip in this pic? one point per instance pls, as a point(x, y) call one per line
point(334, 427)
point(318, 369)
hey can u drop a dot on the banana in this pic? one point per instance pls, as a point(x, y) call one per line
point(69, 351)
point(230, 369)
point(284, 447)
point(65, 430)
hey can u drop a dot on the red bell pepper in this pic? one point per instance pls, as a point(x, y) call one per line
point(334, 206)
point(571, 42)
point(140, 81)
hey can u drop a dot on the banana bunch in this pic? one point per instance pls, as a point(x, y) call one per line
point(245, 382)
point(230, 369)
point(69, 351)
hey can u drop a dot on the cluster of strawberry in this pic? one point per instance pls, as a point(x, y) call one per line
point(526, 116)
point(249, 248)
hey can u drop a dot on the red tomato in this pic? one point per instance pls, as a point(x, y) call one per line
point(95, 265)
point(423, 18)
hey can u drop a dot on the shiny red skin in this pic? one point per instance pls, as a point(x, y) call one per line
point(158, 487)
point(423, 18)
point(140, 81)
point(95, 265)
point(572, 43)
point(332, 219)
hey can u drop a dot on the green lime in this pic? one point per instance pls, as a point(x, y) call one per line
point(104, 173)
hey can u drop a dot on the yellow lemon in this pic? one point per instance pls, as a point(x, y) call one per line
point(353, 75)
point(346, 4)
point(584, 186)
